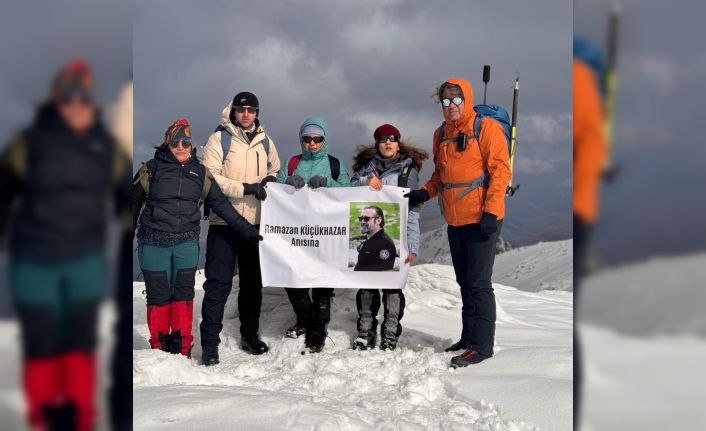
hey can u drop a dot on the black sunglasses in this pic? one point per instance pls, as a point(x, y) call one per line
point(185, 143)
point(315, 139)
point(383, 139)
point(241, 109)
point(366, 218)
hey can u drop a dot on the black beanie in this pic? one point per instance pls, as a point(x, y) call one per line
point(245, 99)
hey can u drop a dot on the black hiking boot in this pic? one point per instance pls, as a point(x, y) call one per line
point(210, 356)
point(315, 346)
point(459, 345)
point(295, 331)
point(253, 345)
point(388, 344)
point(61, 418)
point(468, 357)
point(365, 342)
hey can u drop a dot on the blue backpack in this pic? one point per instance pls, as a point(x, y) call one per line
point(592, 55)
point(497, 113)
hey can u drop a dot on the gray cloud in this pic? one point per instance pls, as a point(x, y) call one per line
point(39, 36)
point(357, 64)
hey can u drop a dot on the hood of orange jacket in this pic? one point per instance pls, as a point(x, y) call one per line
point(453, 166)
point(468, 115)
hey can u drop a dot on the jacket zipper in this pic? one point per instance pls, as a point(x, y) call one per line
point(181, 176)
point(257, 154)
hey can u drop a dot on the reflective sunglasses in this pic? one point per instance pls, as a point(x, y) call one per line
point(185, 143)
point(315, 139)
point(241, 109)
point(383, 139)
point(366, 218)
point(456, 101)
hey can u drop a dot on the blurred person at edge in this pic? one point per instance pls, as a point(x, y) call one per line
point(120, 393)
point(589, 154)
point(57, 177)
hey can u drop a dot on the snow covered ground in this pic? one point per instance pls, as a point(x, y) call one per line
point(643, 340)
point(542, 266)
point(527, 385)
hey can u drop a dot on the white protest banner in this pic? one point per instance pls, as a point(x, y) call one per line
point(352, 237)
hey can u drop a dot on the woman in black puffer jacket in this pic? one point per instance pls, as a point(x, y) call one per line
point(172, 187)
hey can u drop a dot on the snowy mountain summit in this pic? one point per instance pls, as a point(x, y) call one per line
point(411, 388)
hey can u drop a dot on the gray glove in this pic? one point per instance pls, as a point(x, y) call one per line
point(295, 181)
point(317, 181)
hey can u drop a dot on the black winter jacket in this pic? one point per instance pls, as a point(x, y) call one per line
point(172, 205)
point(62, 191)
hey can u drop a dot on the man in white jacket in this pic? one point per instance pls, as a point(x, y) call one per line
point(242, 159)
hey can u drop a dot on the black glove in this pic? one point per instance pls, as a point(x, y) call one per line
point(317, 181)
point(252, 235)
point(417, 197)
point(256, 189)
point(488, 224)
point(295, 181)
point(268, 179)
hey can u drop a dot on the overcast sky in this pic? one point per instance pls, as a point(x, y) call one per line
point(38, 37)
point(359, 64)
point(656, 204)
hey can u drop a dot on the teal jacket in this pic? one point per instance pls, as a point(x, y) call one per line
point(317, 163)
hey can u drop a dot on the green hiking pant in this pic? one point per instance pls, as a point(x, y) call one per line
point(57, 303)
point(169, 271)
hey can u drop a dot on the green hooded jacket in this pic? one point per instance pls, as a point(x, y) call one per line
point(316, 163)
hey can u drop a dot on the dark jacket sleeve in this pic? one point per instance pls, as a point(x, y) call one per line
point(11, 183)
point(122, 191)
point(219, 203)
point(138, 199)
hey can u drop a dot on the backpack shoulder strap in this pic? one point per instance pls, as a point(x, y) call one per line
point(404, 176)
point(207, 178)
point(225, 142)
point(335, 167)
point(292, 164)
point(476, 126)
point(143, 178)
point(266, 144)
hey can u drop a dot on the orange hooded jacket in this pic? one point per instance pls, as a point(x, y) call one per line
point(452, 166)
point(589, 142)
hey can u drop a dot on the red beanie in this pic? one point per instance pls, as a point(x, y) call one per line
point(75, 77)
point(179, 129)
point(386, 130)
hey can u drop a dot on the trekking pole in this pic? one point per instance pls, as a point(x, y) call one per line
point(609, 170)
point(513, 127)
point(486, 78)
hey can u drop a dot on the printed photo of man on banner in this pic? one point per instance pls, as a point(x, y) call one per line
point(346, 238)
point(378, 224)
